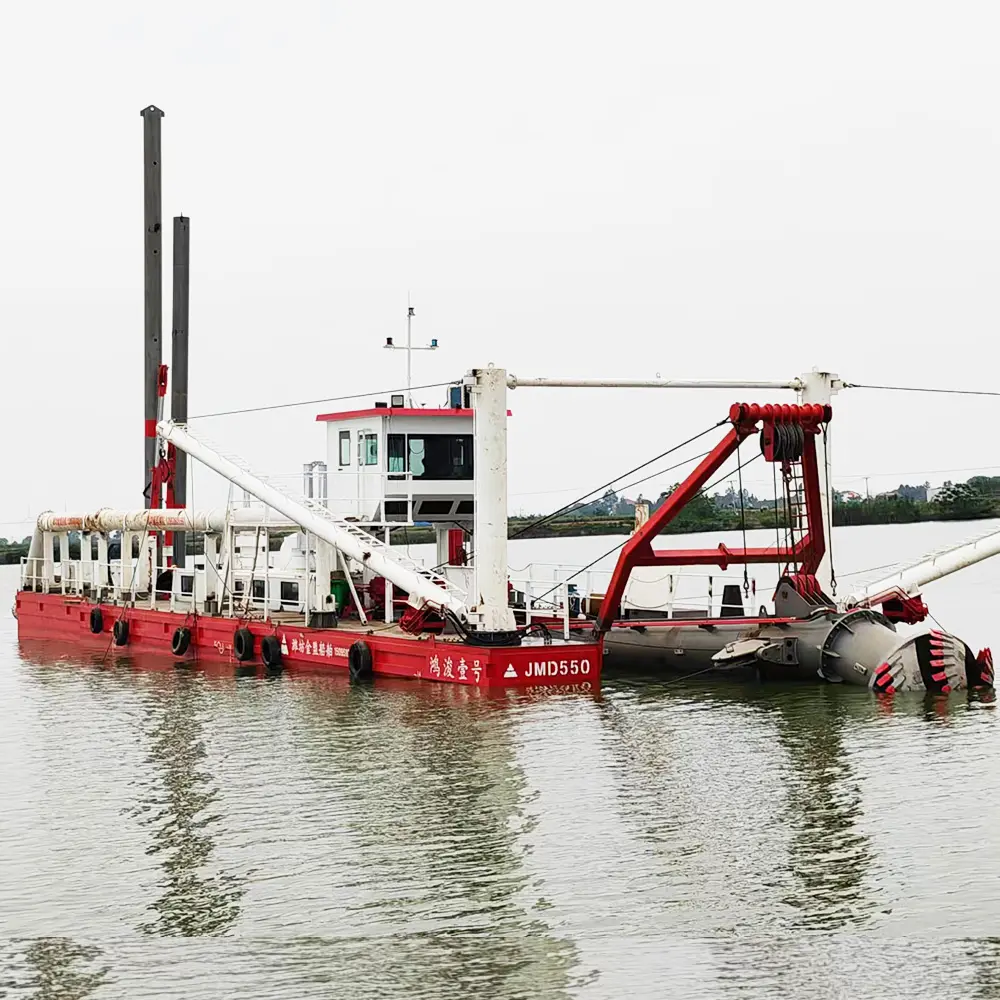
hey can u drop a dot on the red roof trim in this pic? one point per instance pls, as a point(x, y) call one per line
point(397, 411)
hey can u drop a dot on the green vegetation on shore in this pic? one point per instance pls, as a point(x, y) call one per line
point(12, 551)
point(977, 499)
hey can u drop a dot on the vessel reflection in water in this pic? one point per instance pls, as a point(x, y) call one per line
point(427, 793)
point(177, 801)
point(760, 802)
point(383, 828)
point(780, 775)
point(55, 968)
point(175, 794)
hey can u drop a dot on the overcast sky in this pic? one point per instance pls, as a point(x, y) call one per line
point(718, 190)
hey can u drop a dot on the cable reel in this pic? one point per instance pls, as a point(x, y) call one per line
point(780, 442)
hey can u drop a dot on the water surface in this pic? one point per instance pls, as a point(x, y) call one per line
point(193, 833)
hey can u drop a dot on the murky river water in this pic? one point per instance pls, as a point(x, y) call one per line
point(184, 833)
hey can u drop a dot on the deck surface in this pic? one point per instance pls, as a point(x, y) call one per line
point(295, 619)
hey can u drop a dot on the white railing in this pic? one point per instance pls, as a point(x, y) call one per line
point(237, 582)
point(336, 505)
point(32, 573)
point(347, 503)
point(671, 592)
point(542, 600)
point(543, 590)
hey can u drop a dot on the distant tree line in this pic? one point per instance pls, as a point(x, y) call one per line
point(11, 550)
point(977, 498)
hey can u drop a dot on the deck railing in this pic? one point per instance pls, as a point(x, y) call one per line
point(669, 593)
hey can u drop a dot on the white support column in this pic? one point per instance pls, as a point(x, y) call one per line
point(213, 583)
point(326, 560)
point(101, 572)
point(48, 561)
point(310, 564)
point(350, 585)
point(441, 538)
point(267, 572)
point(489, 402)
point(819, 387)
point(86, 568)
point(149, 568)
point(65, 563)
point(127, 568)
point(229, 562)
point(389, 593)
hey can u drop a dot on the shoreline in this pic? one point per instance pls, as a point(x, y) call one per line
point(683, 526)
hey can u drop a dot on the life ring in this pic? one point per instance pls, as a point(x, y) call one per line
point(120, 632)
point(96, 621)
point(359, 661)
point(270, 652)
point(180, 641)
point(243, 644)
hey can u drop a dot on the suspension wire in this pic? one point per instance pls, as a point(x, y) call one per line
point(569, 506)
point(611, 551)
point(922, 388)
point(660, 472)
point(439, 385)
point(774, 486)
point(636, 482)
point(829, 514)
point(743, 522)
point(314, 402)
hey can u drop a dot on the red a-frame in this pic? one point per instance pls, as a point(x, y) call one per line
point(780, 442)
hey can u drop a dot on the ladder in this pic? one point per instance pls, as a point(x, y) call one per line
point(795, 507)
point(377, 544)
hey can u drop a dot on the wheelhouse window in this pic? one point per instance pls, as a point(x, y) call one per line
point(431, 456)
point(371, 449)
point(345, 448)
point(396, 452)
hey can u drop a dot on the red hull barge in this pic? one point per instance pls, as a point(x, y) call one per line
point(394, 653)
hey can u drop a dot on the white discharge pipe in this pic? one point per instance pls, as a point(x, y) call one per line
point(107, 519)
point(366, 550)
point(910, 580)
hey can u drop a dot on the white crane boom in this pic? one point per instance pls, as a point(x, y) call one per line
point(349, 538)
point(909, 581)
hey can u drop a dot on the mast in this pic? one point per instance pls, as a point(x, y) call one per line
point(491, 613)
point(409, 348)
point(409, 353)
point(819, 387)
point(153, 285)
point(179, 363)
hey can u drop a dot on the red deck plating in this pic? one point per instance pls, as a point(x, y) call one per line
point(534, 664)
